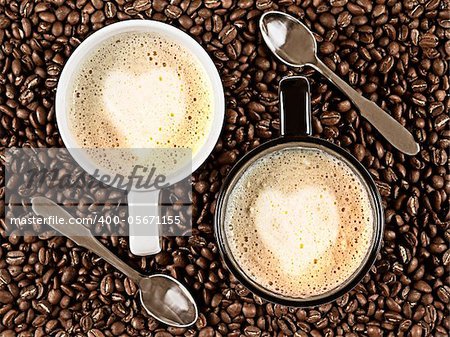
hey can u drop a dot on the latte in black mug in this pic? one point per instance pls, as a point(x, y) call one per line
point(299, 220)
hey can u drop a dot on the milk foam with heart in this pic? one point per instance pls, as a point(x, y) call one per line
point(299, 222)
point(141, 90)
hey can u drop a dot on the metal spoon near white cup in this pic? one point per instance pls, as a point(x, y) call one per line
point(144, 239)
point(294, 44)
point(162, 296)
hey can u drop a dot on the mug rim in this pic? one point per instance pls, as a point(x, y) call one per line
point(271, 296)
point(94, 40)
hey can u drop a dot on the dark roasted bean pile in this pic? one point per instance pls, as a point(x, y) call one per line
point(395, 52)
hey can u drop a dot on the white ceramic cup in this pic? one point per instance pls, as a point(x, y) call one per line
point(140, 203)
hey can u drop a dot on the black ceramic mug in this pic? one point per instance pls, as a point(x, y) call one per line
point(295, 115)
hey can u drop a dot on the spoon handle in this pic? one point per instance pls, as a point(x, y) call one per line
point(391, 129)
point(79, 234)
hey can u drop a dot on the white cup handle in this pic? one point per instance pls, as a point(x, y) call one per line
point(143, 213)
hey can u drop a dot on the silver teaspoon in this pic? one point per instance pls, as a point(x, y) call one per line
point(162, 296)
point(294, 44)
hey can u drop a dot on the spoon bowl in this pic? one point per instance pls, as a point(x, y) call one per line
point(288, 39)
point(166, 299)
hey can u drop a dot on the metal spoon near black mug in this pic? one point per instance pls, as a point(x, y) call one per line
point(162, 296)
point(294, 44)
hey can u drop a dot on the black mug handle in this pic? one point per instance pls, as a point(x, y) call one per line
point(295, 106)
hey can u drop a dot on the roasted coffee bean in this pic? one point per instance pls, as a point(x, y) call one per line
point(422, 286)
point(6, 297)
point(15, 258)
point(95, 333)
point(330, 118)
point(68, 275)
point(107, 285)
point(228, 34)
point(234, 309)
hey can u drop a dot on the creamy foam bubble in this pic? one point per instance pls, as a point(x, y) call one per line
point(141, 90)
point(299, 222)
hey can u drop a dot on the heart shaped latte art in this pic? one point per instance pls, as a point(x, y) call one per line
point(153, 108)
point(297, 227)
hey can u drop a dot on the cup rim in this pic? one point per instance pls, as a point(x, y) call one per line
point(273, 297)
point(91, 42)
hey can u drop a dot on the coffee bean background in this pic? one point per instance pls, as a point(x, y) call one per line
point(394, 52)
